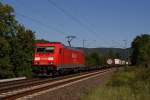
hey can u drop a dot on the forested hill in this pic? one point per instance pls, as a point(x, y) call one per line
point(122, 53)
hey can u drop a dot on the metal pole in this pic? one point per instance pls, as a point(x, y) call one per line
point(126, 52)
point(84, 44)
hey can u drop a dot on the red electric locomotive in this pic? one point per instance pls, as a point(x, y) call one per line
point(55, 58)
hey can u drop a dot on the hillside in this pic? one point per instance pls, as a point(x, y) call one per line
point(123, 53)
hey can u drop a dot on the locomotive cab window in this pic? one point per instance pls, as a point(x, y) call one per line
point(45, 49)
point(49, 49)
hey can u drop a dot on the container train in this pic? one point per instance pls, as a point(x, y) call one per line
point(55, 58)
point(116, 62)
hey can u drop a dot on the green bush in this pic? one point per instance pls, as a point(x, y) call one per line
point(16, 45)
point(133, 84)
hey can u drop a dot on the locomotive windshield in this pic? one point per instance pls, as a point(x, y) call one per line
point(45, 49)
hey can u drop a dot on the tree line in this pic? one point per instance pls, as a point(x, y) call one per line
point(95, 58)
point(141, 50)
point(16, 45)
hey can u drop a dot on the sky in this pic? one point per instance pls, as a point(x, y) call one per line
point(101, 23)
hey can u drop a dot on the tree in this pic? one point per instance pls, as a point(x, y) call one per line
point(141, 50)
point(42, 41)
point(22, 51)
point(8, 23)
point(111, 54)
point(93, 59)
point(7, 31)
point(5, 65)
point(16, 45)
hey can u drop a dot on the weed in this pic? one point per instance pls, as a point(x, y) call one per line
point(132, 84)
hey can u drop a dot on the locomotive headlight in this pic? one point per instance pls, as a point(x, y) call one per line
point(50, 58)
point(37, 58)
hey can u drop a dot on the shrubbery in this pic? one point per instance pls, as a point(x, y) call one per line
point(16, 45)
point(141, 50)
point(133, 84)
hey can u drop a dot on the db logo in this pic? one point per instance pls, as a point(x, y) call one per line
point(74, 55)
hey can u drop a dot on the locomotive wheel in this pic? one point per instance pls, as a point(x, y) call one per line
point(55, 73)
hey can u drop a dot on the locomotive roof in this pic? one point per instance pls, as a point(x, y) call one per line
point(72, 48)
point(56, 42)
point(68, 47)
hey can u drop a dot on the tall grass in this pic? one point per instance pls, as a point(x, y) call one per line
point(132, 84)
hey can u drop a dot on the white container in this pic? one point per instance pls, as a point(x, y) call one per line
point(117, 61)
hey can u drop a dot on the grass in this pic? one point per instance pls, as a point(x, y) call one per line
point(132, 84)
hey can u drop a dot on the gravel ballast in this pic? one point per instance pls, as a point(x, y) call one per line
point(75, 91)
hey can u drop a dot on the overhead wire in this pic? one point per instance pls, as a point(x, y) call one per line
point(72, 17)
point(49, 26)
point(41, 23)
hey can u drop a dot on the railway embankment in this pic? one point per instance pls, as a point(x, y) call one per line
point(73, 91)
point(131, 84)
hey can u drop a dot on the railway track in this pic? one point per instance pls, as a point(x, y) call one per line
point(3, 84)
point(28, 88)
point(14, 85)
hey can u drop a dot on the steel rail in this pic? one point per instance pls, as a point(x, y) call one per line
point(49, 85)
